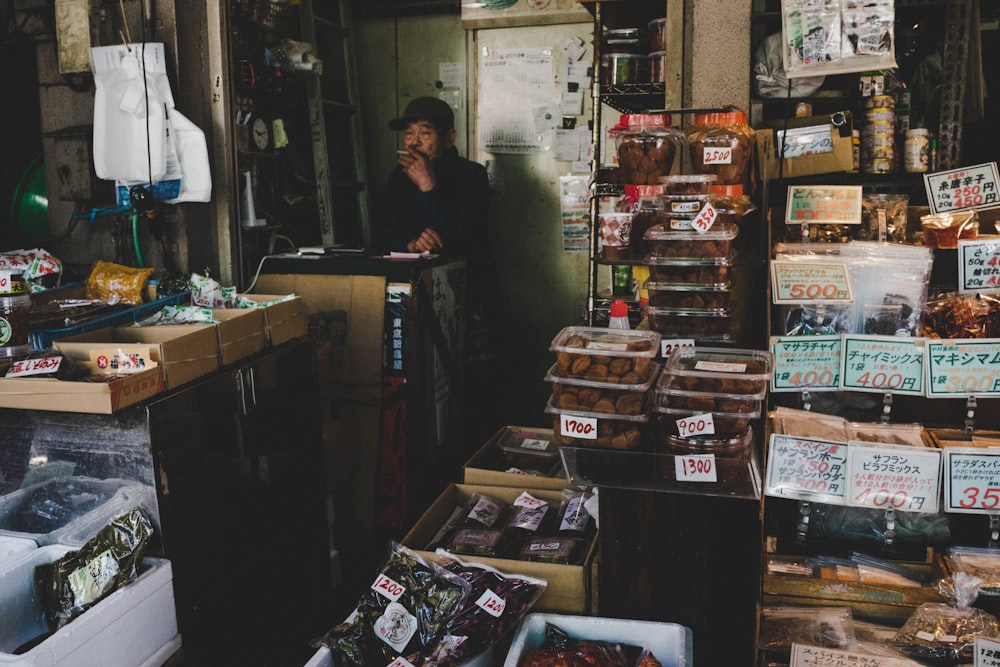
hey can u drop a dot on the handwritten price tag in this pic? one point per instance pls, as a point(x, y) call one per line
point(29, 367)
point(491, 603)
point(722, 155)
point(893, 476)
point(978, 265)
point(964, 188)
point(883, 364)
point(705, 219)
point(695, 468)
point(528, 500)
point(972, 480)
point(388, 588)
point(703, 424)
point(801, 282)
point(806, 469)
point(669, 345)
point(584, 428)
point(806, 362)
point(400, 662)
point(963, 368)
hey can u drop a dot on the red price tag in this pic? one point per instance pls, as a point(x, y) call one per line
point(702, 424)
point(695, 468)
point(584, 428)
point(528, 500)
point(492, 603)
point(717, 156)
point(29, 367)
point(388, 588)
point(669, 345)
point(706, 218)
point(400, 662)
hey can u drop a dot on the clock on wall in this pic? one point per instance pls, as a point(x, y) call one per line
point(260, 134)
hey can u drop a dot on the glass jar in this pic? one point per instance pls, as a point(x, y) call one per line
point(721, 144)
point(624, 68)
point(15, 304)
point(646, 145)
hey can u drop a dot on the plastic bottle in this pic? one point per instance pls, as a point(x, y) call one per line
point(619, 315)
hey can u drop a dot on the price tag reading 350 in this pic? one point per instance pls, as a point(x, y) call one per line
point(575, 426)
point(388, 588)
point(883, 364)
point(972, 480)
point(900, 477)
point(705, 219)
point(963, 368)
point(695, 468)
point(806, 362)
point(802, 282)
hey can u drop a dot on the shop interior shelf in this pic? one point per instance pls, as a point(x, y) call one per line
point(645, 471)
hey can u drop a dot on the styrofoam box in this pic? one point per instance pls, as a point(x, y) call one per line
point(669, 643)
point(125, 495)
point(12, 546)
point(323, 658)
point(135, 625)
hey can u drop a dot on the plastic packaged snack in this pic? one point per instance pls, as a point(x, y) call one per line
point(624, 394)
point(113, 283)
point(574, 519)
point(561, 649)
point(883, 218)
point(553, 549)
point(955, 315)
point(943, 230)
point(530, 517)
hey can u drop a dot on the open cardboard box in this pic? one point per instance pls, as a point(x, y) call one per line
point(841, 158)
point(184, 352)
point(568, 587)
point(242, 333)
point(285, 321)
point(487, 467)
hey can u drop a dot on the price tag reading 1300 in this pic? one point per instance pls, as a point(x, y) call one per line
point(972, 480)
point(695, 468)
point(898, 477)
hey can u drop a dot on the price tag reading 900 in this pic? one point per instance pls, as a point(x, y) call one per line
point(702, 424)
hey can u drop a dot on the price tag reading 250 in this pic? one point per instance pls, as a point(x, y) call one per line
point(801, 282)
point(972, 480)
point(899, 477)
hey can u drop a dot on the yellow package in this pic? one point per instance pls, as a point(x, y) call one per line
point(113, 283)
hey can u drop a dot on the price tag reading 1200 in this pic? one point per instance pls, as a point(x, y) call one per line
point(695, 468)
point(575, 426)
point(972, 480)
point(898, 477)
point(388, 588)
point(883, 364)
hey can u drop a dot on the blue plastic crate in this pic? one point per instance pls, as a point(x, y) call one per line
point(43, 338)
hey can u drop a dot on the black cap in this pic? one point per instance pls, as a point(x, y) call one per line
point(426, 108)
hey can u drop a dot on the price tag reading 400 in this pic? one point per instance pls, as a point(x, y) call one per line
point(806, 362)
point(896, 477)
point(972, 480)
point(883, 364)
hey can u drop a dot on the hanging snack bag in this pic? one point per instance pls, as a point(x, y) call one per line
point(113, 283)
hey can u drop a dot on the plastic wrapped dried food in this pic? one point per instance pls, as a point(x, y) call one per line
point(943, 230)
point(113, 283)
point(828, 627)
point(559, 649)
point(862, 523)
point(944, 634)
point(962, 316)
point(883, 218)
point(819, 319)
point(982, 563)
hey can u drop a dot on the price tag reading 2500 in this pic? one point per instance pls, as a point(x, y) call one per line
point(897, 477)
point(972, 480)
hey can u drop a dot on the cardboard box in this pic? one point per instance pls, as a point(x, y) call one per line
point(242, 333)
point(127, 628)
point(840, 159)
point(568, 587)
point(184, 352)
point(93, 397)
point(670, 643)
point(487, 467)
point(285, 321)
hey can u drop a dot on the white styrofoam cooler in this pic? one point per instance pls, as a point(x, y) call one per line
point(323, 658)
point(670, 643)
point(12, 546)
point(134, 626)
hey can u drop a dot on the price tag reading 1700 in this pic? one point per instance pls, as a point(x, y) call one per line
point(972, 480)
point(702, 424)
point(695, 468)
point(575, 426)
point(897, 477)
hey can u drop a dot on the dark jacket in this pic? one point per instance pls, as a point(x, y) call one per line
point(456, 208)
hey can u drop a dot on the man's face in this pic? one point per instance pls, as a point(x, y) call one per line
point(421, 135)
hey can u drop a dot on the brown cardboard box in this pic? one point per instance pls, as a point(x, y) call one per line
point(94, 397)
point(184, 352)
point(487, 467)
point(286, 321)
point(841, 159)
point(242, 333)
point(568, 587)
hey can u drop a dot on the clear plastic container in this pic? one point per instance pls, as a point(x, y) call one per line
point(657, 29)
point(720, 370)
point(725, 422)
point(670, 393)
point(620, 395)
point(696, 324)
point(594, 353)
point(612, 432)
point(621, 40)
point(658, 67)
point(687, 297)
point(525, 448)
point(723, 445)
point(721, 144)
point(624, 68)
point(646, 145)
point(689, 204)
point(706, 271)
point(688, 243)
point(688, 184)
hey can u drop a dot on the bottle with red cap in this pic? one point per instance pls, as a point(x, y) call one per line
point(619, 315)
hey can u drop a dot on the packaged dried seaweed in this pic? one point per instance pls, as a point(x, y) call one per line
point(944, 634)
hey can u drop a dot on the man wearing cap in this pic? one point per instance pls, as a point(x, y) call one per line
point(434, 201)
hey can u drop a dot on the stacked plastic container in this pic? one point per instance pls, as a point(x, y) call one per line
point(602, 384)
point(728, 384)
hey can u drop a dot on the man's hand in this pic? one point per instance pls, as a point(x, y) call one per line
point(429, 241)
point(418, 168)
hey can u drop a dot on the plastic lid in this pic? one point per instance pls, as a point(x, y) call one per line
point(644, 120)
point(916, 132)
point(721, 118)
point(619, 308)
point(731, 190)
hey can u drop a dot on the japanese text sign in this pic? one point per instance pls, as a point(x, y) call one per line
point(987, 652)
point(806, 362)
point(804, 282)
point(978, 264)
point(883, 364)
point(816, 656)
point(972, 480)
point(806, 469)
point(963, 368)
point(898, 477)
point(963, 188)
point(823, 204)
point(799, 141)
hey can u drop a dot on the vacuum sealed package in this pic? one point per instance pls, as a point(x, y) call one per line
point(944, 634)
point(70, 585)
point(531, 517)
point(860, 523)
point(495, 605)
point(561, 649)
point(114, 283)
point(404, 613)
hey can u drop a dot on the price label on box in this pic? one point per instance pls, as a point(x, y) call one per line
point(963, 368)
point(823, 204)
point(972, 480)
point(978, 264)
point(883, 364)
point(806, 362)
point(971, 187)
point(668, 345)
point(703, 424)
point(807, 469)
point(896, 477)
point(802, 282)
point(695, 468)
point(575, 426)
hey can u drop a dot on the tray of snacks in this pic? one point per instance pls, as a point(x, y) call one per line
point(611, 431)
point(720, 370)
point(597, 353)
